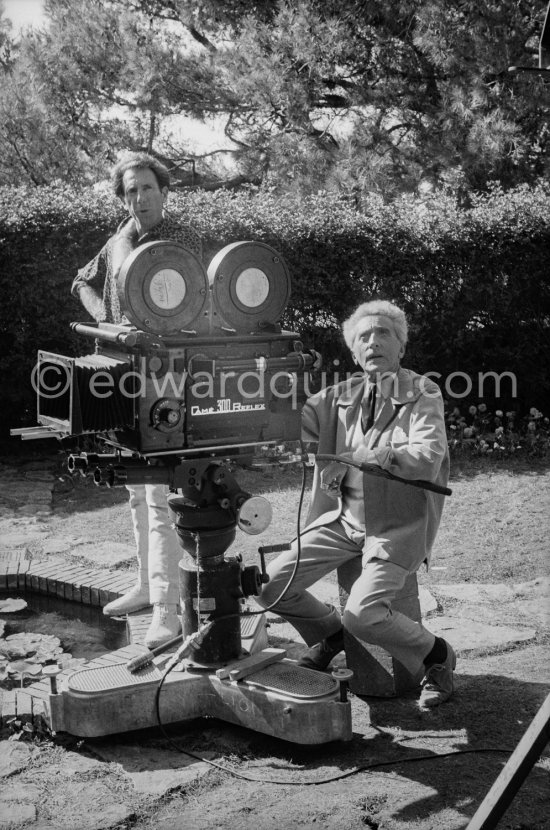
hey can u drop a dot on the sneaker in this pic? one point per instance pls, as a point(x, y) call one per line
point(437, 685)
point(165, 625)
point(319, 657)
point(136, 599)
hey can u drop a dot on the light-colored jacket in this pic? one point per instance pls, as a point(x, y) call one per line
point(408, 438)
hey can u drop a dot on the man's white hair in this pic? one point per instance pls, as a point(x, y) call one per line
point(395, 314)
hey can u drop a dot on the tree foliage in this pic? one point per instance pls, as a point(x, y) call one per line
point(350, 95)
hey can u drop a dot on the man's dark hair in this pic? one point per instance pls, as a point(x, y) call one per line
point(138, 161)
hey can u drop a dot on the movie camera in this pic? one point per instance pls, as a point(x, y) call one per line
point(201, 372)
point(203, 366)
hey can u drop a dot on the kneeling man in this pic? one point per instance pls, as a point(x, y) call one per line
point(390, 417)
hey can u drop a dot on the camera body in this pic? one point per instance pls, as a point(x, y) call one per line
point(202, 366)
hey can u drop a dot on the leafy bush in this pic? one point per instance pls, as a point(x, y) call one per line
point(45, 236)
point(475, 283)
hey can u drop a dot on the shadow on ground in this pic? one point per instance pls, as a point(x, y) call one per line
point(418, 767)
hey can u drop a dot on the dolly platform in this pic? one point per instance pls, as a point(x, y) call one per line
point(265, 692)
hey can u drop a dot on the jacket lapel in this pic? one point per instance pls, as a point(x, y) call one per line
point(349, 401)
point(402, 392)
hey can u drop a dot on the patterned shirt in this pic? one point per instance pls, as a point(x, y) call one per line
point(99, 273)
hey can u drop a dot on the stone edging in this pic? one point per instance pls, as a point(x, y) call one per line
point(58, 578)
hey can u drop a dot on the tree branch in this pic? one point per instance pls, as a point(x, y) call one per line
point(227, 184)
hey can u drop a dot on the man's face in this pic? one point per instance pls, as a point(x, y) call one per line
point(376, 346)
point(143, 198)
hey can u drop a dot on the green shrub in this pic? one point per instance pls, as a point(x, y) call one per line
point(45, 235)
point(475, 283)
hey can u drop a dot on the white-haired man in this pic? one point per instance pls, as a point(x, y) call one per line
point(390, 417)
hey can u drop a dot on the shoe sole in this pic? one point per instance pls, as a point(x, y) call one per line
point(124, 613)
point(425, 706)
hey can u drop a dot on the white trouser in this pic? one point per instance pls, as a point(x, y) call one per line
point(368, 613)
point(158, 550)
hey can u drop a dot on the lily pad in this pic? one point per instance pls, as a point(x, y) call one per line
point(39, 647)
point(12, 652)
point(19, 667)
point(45, 654)
point(11, 605)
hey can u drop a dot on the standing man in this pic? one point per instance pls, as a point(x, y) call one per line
point(141, 182)
point(393, 418)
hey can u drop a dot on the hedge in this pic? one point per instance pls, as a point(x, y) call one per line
point(475, 282)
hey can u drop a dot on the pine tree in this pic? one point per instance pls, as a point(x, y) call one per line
point(349, 95)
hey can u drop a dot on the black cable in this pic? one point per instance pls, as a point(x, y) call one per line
point(339, 776)
point(298, 552)
point(329, 779)
point(376, 470)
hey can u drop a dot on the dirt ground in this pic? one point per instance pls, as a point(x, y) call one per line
point(403, 768)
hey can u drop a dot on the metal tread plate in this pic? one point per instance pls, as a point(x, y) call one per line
point(292, 680)
point(107, 678)
point(250, 624)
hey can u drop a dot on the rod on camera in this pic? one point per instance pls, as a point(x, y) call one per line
point(118, 335)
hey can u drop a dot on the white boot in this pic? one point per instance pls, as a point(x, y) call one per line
point(165, 625)
point(136, 599)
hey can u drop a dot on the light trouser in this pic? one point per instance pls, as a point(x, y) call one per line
point(368, 613)
point(157, 545)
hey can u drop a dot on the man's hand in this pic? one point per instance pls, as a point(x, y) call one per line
point(331, 479)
